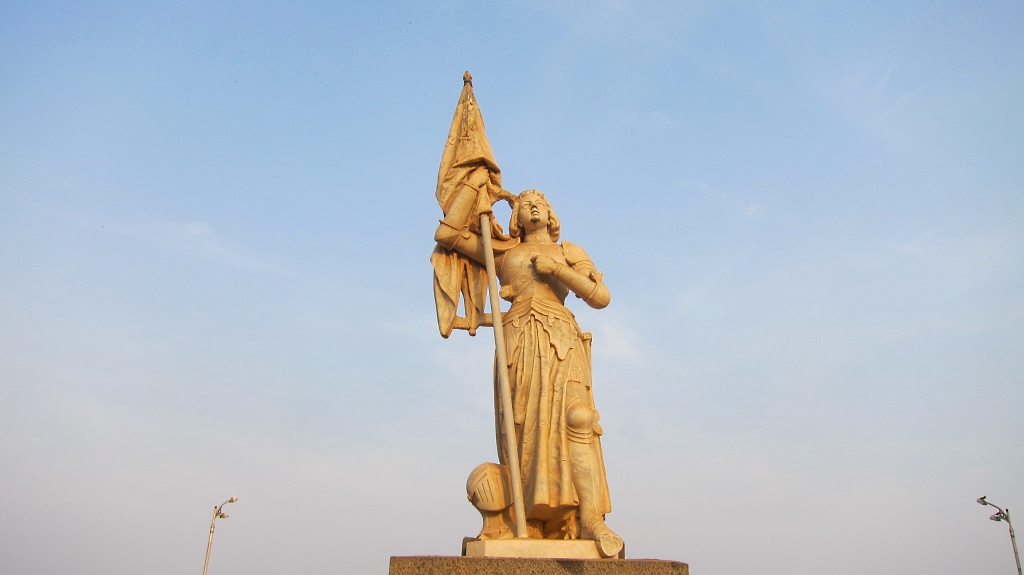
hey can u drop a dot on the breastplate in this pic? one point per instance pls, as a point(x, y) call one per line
point(524, 276)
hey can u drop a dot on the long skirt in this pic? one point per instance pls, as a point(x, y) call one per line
point(549, 370)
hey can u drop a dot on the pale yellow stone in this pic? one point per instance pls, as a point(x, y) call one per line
point(538, 548)
point(557, 443)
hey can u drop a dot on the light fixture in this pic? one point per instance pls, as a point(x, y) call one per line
point(1002, 515)
point(217, 512)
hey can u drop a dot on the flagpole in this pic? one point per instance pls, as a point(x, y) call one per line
point(508, 424)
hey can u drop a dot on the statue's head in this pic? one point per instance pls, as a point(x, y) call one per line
point(531, 212)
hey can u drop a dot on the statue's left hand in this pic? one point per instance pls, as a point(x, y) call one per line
point(543, 264)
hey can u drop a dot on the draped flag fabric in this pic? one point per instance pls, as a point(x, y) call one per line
point(465, 150)
point(455, 275)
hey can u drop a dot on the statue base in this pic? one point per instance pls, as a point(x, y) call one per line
point(534, 548)
point(432, 565)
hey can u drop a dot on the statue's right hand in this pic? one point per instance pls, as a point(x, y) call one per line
point(483, 206)
point(479, 177)
point(543, 264)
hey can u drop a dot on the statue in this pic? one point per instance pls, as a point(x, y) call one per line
point(551, 472)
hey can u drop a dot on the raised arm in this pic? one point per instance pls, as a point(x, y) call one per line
point(454, 230)
point(460, 228)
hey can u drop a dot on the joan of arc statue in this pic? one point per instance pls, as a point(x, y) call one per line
point(557, 433)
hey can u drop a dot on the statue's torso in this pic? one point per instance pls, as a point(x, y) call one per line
point(520, 280)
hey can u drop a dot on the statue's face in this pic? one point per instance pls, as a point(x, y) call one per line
point(533, 214)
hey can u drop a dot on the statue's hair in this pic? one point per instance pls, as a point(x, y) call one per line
point(515, 229)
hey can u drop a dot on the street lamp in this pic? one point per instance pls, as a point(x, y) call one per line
point(209, 542)
point(1004, 515)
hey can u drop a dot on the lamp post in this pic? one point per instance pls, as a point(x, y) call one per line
point(209, 542)
point(1004, 515)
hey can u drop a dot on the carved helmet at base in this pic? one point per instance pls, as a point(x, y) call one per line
point(488, 487)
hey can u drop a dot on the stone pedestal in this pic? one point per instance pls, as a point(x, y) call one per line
point(429, 565)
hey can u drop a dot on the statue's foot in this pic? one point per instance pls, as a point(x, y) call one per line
point(608, 543)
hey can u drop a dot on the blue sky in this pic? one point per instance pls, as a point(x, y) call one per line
point(215, 222)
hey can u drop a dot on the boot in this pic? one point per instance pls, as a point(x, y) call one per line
point(584, 477)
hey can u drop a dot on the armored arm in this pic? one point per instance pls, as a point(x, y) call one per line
point(578, 274)
point(587, 287)
point(457, 230)
point(460, 229)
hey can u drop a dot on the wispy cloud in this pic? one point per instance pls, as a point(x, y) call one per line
point(748, 206)
point(194, 239)
point(866, 95)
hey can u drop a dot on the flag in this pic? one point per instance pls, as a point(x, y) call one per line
point(456, 275)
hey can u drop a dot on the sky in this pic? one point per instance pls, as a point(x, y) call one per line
point(215, 224)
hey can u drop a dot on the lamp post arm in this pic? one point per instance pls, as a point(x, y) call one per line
point(221, 506)
point(1001, 512)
